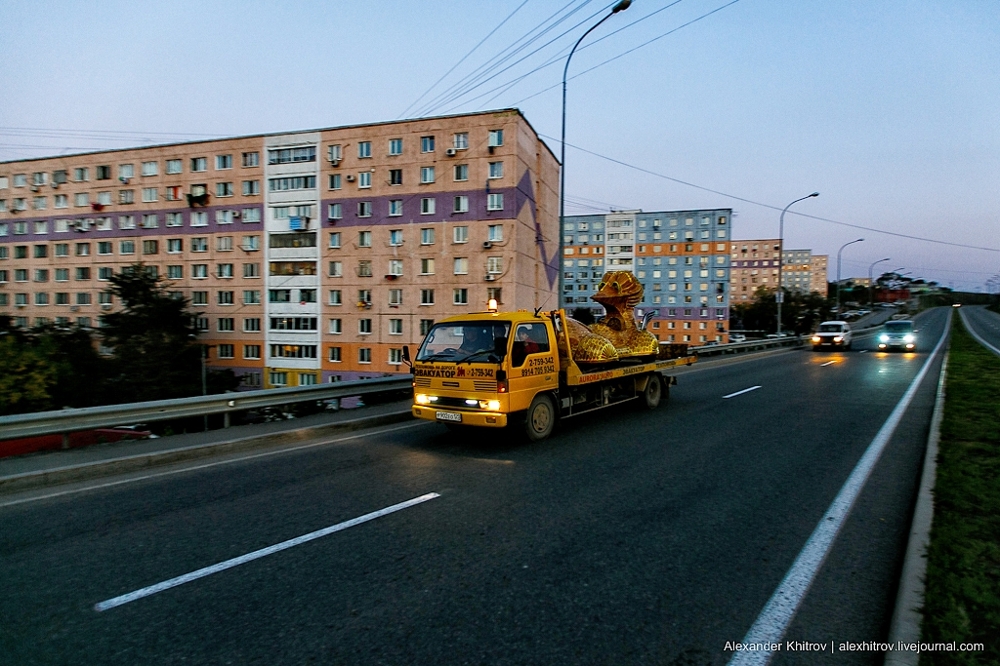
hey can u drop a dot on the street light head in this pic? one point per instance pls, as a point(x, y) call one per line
point(814, 194)
point(621, 6)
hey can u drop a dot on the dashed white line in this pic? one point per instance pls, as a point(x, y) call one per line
point(827, 363)
point(746, 390)
point(257, 554)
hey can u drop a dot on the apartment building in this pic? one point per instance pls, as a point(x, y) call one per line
point(680, 257)
point(310, 256)
point(754, 265)
point(804, 272)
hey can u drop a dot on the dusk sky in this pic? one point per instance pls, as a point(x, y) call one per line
point(891, 109)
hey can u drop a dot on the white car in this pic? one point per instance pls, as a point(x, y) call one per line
point(832, 334)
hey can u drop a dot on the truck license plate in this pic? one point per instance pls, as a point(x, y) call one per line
point(448, 416)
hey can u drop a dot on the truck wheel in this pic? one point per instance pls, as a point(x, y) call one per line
point(653, 392)
point(540, 419)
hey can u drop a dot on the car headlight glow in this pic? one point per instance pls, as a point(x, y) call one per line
point(883, 338)
point(908, 338)
point(839, 338)
point(815, 338)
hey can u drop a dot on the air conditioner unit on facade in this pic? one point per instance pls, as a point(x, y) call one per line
point(335, 162)
point(490, 278)
point(349, 178)
point(450, 152)
point(487, 244)
point(105, 306)
point(236, 213)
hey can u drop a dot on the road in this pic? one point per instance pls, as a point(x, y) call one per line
point(628, 538)
point(984, 325)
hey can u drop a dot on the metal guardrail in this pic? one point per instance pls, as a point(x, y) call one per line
point(71, 420)
point(748, 346)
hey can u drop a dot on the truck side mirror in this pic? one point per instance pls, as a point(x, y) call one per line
point(500, 347)
point(406, 354)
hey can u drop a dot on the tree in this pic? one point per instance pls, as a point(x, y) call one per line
point(27, 379)
point(799, 313)
point(152, 339)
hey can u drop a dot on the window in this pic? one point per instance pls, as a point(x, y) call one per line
point(496, 138)
point(335, 211)
point(427, 174)
point(460, 141)
point(496, 169)
point(395, 146)
point(251, 187)
point(335, 297)
point(199, 244)
point(460, 234)
point(364, 209)
point(199, 219)
point(199, 271)
point(291, 183)
point(250, 243)
point(364, 326)
point(395, 176)
point(224, 243)
point(395, 298)
point(335, 354)
point(364, 149)
point(39, 203)
point(460, 296)
point(336, 269)
point(175, 272)
point(461, 172)
point(199, 164)
point(223, 162)
point(291, 155)
point(495, 233)
point(81, 174)
point(149, 194)
point(251, 159)
point(278, 378)
point(126, 171)
point(41, 298)
point(80, 199)
point(395, 267)
point(226, 324)
point(335, 181)
point(199, 298)
point(365, 179)
point(83, 249)
point(461, 266)
point(494, 265)
point(427, 144)
point(251, 297)
point(126, 196)
point(364, 268)
point(365, 355)
point(150, 221)
point(251, 215)
point(279, 296)
point(495, 201)
point(426, 297)
point(62, 298)
point(41, 251)
point(83, 273)
point(150, 168)
point(427, 236)
point(150, 247)
point(427, 267)
point(364, 239)
point(251, 270)
point(41, 275)
point(307, 295)
point(461, 204)
point(425, 326)
point(173, 167)
point(336, 327)
point(61, 201)
point(395, 207)
point(224, 271)
point(333, 153)
point(427, 206)
point(62, 274)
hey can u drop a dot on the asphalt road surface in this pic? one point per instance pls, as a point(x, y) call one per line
point(631, 537)
point(984, 324)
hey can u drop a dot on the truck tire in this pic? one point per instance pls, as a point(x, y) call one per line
point(653, 393)
point(540, 419)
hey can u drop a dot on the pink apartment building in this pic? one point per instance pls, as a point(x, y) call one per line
point(310, 256)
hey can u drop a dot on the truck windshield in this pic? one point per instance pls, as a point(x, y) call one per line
point(458, 341)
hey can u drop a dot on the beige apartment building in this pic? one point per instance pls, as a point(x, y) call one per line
point(310, 256)
point(755, 265)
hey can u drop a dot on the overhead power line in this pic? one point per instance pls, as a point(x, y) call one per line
point(771, 206)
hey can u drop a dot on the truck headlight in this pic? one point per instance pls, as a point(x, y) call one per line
point(422, 399)
point(493, 405)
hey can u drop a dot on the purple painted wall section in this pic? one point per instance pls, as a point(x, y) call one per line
point(139, 230)
point(411, 208)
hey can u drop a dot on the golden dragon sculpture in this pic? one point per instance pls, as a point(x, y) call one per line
point(615, 336)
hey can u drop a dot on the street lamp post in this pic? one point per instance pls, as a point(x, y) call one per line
point(871, 283)
point(779, 294)
point(620, 7)
point(838, 269)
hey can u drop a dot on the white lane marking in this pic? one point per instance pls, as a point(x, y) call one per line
point(111, 484)
point(773, 621)
point(863, 351)
point(746, 390)
point(257, 554)
point(968, 327)
point(827, 363)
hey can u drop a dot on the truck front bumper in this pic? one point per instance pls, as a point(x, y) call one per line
point(469, 418)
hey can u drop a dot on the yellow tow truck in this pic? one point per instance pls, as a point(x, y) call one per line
point(494, 369)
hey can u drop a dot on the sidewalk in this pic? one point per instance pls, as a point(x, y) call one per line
point(54, 467)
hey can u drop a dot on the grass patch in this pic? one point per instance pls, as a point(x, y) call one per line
point(962, 602)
